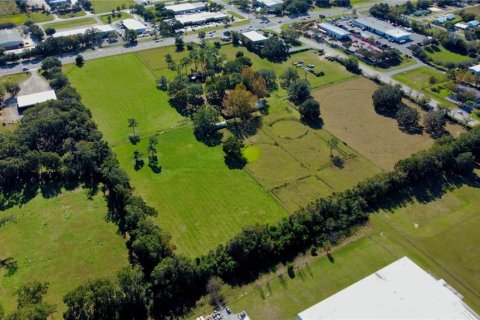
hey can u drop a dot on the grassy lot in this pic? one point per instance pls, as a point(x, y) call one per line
point(63, 241)
point(201, 202)
point(348, 112)
point(445, 56)
point(439, 235)
point(80, 13)
point(123, 15)
point(236, 15)
point(122, 87)
point(15, 78)
point(68, 24)
point(100, 6)
point(20, 18)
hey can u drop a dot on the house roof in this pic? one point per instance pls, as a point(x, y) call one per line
point(254, 36)
point(401, 290)
point(186, 6)
point(101, 28)
point(335, 29)
point(34, 98)
point(200, 17)
point(10, 35)
point(133, 24)
point(475, 68)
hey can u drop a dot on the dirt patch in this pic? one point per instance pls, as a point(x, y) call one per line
point(348, 113)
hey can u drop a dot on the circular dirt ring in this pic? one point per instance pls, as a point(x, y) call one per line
point(289, 129)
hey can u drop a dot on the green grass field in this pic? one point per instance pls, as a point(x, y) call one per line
point(20, 18)
point(15, 78)
point(121, 87)
point(68, 24)
point(63, 240)
point(80, 13)
point(445, 56)
point(440, 236)
point(123, 15)
point(201, 202)
point(100, 6)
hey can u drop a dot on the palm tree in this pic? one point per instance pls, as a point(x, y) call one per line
point(132, 123)
point(152, 150)
point(332, 143)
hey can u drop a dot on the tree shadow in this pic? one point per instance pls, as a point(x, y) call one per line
point(211, 140)
point(234, 163)
point(155, 168)
point(134, 139)
point(411, 130)
point(247, 128)
point(138, 164)
point(330, 257)
point(313, 123)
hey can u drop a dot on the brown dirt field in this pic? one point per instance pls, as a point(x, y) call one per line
point(348, 113)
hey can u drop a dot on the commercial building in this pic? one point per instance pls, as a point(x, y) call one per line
point(104, 29)
point(475, 70)
point(10, 39)
point(401, 290)
point(29, 100)
point(334, 31)
point(132, 24)
point(254, 37)
point(271, 4)
point(473, 24)
point(200, 18)
point(187, 7)
point(382, 29)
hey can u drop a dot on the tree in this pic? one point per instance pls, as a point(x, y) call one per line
point(214, 290)
point(332, 143)
point(259, 87)
point(202, 35)
point(270, 78)
point(179, 44)
point(204, 123)
point(275, 49)
point(465, 163)
point(387, 99)
point(132, 123)
point(50, 63)
point(50, 31)
point(288, 77)
point(138, 160)
point(2, 93)
point(133, 294)
point(310, 109)
point(152, 153)
point(434, 123)
point(408, 119)
point(131, 35)
point(299, 91)
point(30, 303)
point(232, 147)
point(12, 88)
point(290, 35)
point(79, 60)
point(351, 64)
point(96, 299)
point(239, 103)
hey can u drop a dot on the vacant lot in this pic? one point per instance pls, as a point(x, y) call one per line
point(69, 24)
point(121, 87)
point(201, 202)
point(100, 6)
point(63, 241)
point(348, 112)
point(419, 78)
point(444, 56)
point(439, 235)
point(123, 15)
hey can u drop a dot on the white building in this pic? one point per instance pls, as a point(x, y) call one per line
point(475, 70)
point(254, 37)
point(187, 7)
point(200, 18)
point(103, 28)
point(10, 39)
point(132, 24)
point(29, 100)
point(271, 4)
point(401, 290)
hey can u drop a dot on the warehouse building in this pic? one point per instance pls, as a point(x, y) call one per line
point(200, 18)
point(254, 37)
point(29, 100)
point(334, 31)
point(401, 290)
point(271, 5)
point(382, 29)
point(104, 29)
point(187, 7)
point(132, 24)
point(10, 39)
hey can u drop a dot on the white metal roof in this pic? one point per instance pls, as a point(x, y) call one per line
point(8, 36)
point(401, 290)
point(475, 68)
point(271, 3)
point(105, 28)
point(132, 24)
point(200, 17)
point(335, 29)
point(397, 33)
point(182, 7)
point(254, 36)
point(462, 26)
point(34, 98)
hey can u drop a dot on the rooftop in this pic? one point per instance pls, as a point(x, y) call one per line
point(382, 26)
point(186, 6)
point(401, 290)
point(335, 29)
point(105, 28)
point(475, 68)
point(271, 3)
point(132, 24)
point(200, 17)
point(254, 36)
point(9, 35)
point(34, 98)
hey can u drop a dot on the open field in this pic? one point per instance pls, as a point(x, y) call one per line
point(348, 112)
point(123, 15)
point(80, 13)
point(71, 23)
point(445, 56)
point(100, 6)
point(201, 202)
point(63, 241)
point(439, 235)
point(20, 18)
point(121, 87)
point(16, 78)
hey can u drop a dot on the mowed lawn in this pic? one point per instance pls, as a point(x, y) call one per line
point(418, 78)
point(100, 6)
point(121, 87)
point(348, 113)
point(201, 202)
point(445, 56)
point(441, 236)
point(71, 23)
point(63, 241)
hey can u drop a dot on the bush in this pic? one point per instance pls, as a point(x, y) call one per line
point(310, 109)
point(290, 271)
